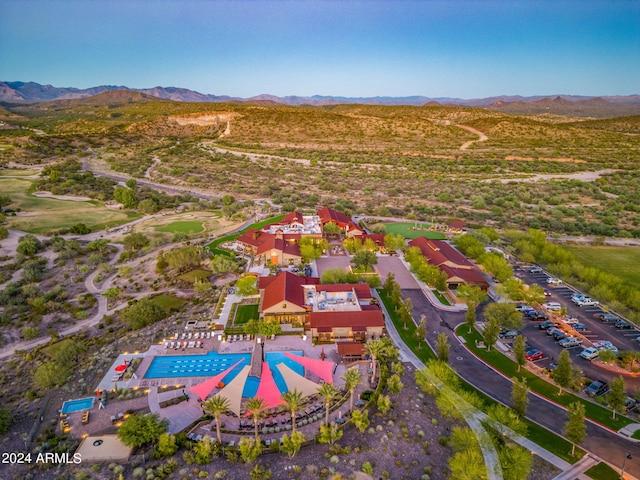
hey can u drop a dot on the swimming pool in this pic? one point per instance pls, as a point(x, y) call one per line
point(77, 405)
point(214, 363)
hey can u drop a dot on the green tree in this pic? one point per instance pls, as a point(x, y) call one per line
point(183, 258)
point(364, 260)
point(98, 245)
point(131, 183)
point(421, 331)
point(293, 399)
point(616, 397)
point(393, 242)
point(166, 446)
point(405, 312)
point(203, 451)
point(222, 264)
point(472, 296)
point(351, 378)
point(28, 246)
point(250, 449)
point(256, 407)
point(331, 229)
point(112, 293)
point(575, 429)
point(360, 419)
point(328, 392)
point(491, 332)
point(330, 433)
point(138, 430)
point(442, 347)
point(216, 406)
point(497, 265)
point(125, 196)
point(51, 374)
point(143, 313)
point(562, 374)
point(135, 241)
point(516, 462)
point(505, 314)
point(467, 465)
point(384, 404)
point(520, 396)
point(148, 206)
point(394, 384)
point(246, 285)
point(469, 245)
point(227, 200)
point(291, 445)
point(376, 350)
point(519, 351)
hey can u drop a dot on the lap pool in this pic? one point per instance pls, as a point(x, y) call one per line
point(77, 405)
point(214, 363)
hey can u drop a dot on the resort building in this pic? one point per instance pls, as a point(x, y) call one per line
point(274, 248)
point(350, 228)
point(459, 270)
point(328, 312)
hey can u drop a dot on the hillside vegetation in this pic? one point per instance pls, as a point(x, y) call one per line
point(384, 160)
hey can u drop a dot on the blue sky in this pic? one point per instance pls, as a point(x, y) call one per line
point(466, 49)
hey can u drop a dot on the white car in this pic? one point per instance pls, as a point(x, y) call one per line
point(589, 353)
point(570, 342)
point(587, 302)
point(605, 345)
point(571, 321)
point(577, 297)
point(554, 281)
point(552, 307)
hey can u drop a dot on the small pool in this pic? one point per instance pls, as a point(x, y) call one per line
point(77, 405)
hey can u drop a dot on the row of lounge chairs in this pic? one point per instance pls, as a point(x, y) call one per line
point(85, 417)
point(195, 336)
point(117, 418)
point(183, 345)
point(239, 338)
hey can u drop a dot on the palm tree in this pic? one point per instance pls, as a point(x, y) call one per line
point(217, 405)
point(328, 392)
point(256, 407)
point(352, 377)
point(376, 349)
point(293, 399)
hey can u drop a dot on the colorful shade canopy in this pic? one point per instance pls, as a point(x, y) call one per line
point(322, 369)
point(203, 389)
point(267, 389)
point(296, 381)
point(233, 390)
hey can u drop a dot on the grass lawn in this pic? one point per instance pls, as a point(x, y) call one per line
point(46, 214)
point(247, 312)
point(16, 172)
point(195, 275)
point(213, 246)
point(54, 348)
point(167, 302)
point(182, 227)
point(443, 300)
point(602, 471)
point(406, 230)
point(619, 261)
point(507, 366)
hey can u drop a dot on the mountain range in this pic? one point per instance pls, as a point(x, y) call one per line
point(31, 92)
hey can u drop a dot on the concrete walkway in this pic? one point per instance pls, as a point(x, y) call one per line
point(576, 471)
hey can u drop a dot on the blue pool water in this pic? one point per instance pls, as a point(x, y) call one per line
point(214, 363)
point(71, 406)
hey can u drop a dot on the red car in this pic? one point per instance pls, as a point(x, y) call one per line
point(533, 355)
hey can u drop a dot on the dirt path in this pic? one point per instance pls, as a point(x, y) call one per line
point(482, 136)
point(591, 176)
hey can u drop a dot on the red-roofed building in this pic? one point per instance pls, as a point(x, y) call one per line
point(350, 228)
point(458, 268)
point(282, 297)
point(356, 326)
point(277, 249)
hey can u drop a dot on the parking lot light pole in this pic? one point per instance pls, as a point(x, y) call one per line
point(624, 463)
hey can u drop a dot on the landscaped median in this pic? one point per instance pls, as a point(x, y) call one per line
point(509, 368)
point(536, 433)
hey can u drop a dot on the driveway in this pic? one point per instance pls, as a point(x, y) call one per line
point(389, 264)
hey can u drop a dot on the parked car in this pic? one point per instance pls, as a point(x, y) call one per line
point(570, 342)
point(597, 388)
point(630, 404)
point(547, 293)
point(535, 270)
point(571, 320)
point(587, 302)
point(623, 325)
point(605, 345)
point(552, 330)
point(533, 355)
point(554, 307)
point(523, 307)
point(607, 317)
point(559, 335)
point(589, 353)
point(509, 334)
point(536, 315)
point(577, 297)
point(579, 327)
point(554, 281)
point(551, 367)
point(550, 324)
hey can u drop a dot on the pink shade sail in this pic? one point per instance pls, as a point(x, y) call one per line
point(205, 388)
point(120, 368)
point(322, 369)
point(267, 389)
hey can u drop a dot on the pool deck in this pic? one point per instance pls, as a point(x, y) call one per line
point(185, 414)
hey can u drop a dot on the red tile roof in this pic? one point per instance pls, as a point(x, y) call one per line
point(327, 215)
point(377, 238)
point(263, 242)
point(284, 287)
point(438, 252)
point(471, 276)
point(293, 217)
point(350, 348)
point(364, 318)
